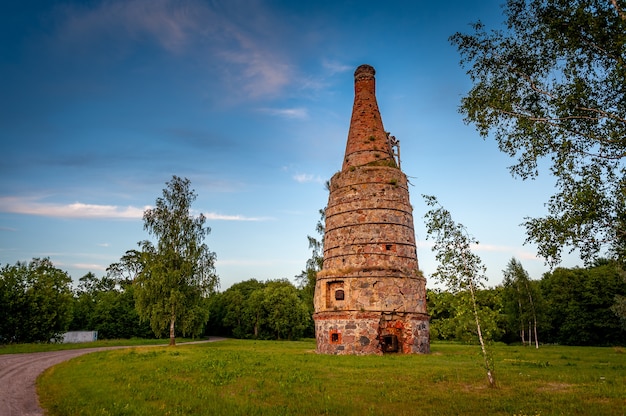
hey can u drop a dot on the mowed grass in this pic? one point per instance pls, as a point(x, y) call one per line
point(238, 377)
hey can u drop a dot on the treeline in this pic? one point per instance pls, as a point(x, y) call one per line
point(35, 302)
point(275, 309)
point(577, 306)
point(38, 303)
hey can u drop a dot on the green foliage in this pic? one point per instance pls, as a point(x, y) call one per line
point(579, 305)
point(551, 88)
point(107, 305)
point(177, 275)
point(451, 320)
point(243, 377)
point(619, 309)
point(308, 277)
point(265, 310)
point(389, 163)
point(459, 269)
point(35, 302)
point(523, 304)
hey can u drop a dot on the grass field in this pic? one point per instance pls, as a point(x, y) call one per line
point(237, 377)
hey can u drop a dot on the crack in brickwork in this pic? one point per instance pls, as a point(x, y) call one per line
point(370, 296)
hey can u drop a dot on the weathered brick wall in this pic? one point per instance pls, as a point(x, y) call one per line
point(370, 296)
point(367, 139)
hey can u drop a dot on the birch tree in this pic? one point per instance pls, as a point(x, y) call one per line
point(550, 88)
point(178, 273)
point(516, 280)
point(459, 268)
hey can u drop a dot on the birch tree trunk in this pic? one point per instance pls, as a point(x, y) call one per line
point(490, 377)
point(172, 331)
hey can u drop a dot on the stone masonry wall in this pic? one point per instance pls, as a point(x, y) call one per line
point(370, 297)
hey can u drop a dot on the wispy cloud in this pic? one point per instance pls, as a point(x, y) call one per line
point(306, 177)
point(260, 262)
point(171, 24)
point(31, 206)
point(221, 217)
point(491, 248)
point(88, 266)
point(513, 251)
point(296, 113)
point(245, 37)
point(335, 67)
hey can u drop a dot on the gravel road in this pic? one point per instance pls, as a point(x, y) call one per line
point(18, 373)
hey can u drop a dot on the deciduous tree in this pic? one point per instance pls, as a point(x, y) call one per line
point(551, 89)
point(580, 302)
point(35, 301)
point(308, 277)
point(262, 310)
point(107, 305)
point(178, 273)
point(519, 292)
point(459, 268)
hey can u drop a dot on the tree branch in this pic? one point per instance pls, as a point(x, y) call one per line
point(556, 123)
point(620, 12)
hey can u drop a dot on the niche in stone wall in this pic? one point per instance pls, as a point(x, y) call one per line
point(335, 294)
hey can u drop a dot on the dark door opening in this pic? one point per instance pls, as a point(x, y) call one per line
point(389, 343)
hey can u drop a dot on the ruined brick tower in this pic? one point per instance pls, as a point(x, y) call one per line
point(370, 297)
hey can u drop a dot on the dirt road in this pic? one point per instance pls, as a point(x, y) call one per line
point(18, 373)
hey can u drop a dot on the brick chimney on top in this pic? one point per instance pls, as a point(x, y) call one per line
point(367, 139)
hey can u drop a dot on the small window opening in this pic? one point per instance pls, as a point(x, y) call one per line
point(388, 247)
point(335, 337)
point(339, 295)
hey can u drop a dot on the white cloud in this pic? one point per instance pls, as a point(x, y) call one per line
point(31, 206)
point(297, 113)
point(86, 266)
point(424, 244)
point(221, 217)
point(306, 177)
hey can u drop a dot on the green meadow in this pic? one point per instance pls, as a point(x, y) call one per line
point(244, 377)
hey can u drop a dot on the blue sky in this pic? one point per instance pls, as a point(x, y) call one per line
point(101, 102)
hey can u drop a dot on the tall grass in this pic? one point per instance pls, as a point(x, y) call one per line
point(236, 377)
